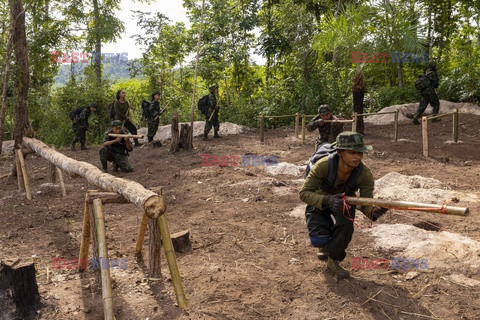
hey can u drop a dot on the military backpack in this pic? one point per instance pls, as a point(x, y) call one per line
point(75, 113)
point(111, 108)
point(422, 82)
point(203, 105)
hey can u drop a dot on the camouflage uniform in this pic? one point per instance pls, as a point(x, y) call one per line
point(153, 119)
point(80, 127)
point(117, 153)
point(429, 95)
point(328, 131)
point(212, 103)
point(122, 112)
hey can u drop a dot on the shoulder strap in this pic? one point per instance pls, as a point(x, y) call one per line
point(352, 179)
point(332, 169)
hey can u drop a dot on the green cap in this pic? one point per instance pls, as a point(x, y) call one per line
point(117, 123)
point(350, 140)
point(212, 88)
point(324, 109)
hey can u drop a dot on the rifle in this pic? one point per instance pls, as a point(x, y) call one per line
point(218, 102)
point(162, 111)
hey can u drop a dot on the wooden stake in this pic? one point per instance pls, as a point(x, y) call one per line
point(103, 256)
point(304, 123)
point(85, 244)
point(297, 118)
point(455, 126)
point(24, 173)
point(425, 135)
point(141, 236)
point(62, 184)
point(154, 249)
point(354, 123)
point(395, 126)
point(21, 186)
point(262, 127)
point(172, 262)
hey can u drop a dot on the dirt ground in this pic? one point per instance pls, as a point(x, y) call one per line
point(251, 259)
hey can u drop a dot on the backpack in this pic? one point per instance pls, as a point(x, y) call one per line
point(422, 82)
point(203, 105)
point(111, 108)
point(75, 113)
point(145, 107)
point(325, 150)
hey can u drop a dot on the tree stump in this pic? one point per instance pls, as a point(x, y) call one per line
point(184, 137)
point(175, 137)
point(181, 241)
point(18, 288)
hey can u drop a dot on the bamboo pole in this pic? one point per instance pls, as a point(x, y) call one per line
point(103, 255)
point(425, 135)
point(126, 136)
point(413, 206)
point(455, 126)
point(172, 262)
point(354, 123)
point(304, 122)
point(85, 242)
point(283, 116)
point(297, 118)
point(395, 126)
point(441, 115)
point(374, 113)
point(141, 236)
point(21, 186)
point(24, 173)
point(262, 127)
point(338, 121)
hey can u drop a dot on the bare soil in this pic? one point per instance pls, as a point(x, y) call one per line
point(251, 259)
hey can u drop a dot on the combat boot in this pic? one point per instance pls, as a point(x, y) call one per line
point(205, 136)
point(137, 143)
point(83, 147)
point(72, 147)
point(415, 119)
point(115, 167)
point(216, 135)
point(322, 253)
point(334, 266)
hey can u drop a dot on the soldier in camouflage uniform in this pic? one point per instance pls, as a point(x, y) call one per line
point(332, 237)
point(80, 126)
point(116, 149)
point(153, 118)
point(212, 107)
point(429, 95)
point(328, 131)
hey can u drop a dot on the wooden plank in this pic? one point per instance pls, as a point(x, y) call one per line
point(425, 135)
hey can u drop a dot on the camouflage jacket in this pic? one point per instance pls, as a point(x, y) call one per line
point(81, 121)
point(434, 82)
point(153, 110)
point(328, 131)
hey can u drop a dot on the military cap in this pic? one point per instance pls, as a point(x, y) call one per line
point(92, 105)
point(117, 123)
point(432, 65)
point(350, 140)
point(212, 88)
point(324, 109)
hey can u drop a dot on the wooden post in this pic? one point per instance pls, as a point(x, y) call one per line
point(395, 126)
point(24, 173)
point(175, 135)
point(297, 118)
point(53, 171)
point(455, 126)
point(304, 122)
point(21, 186)
point(85, 244)
point(103, 256)
point(354, 123)
point(184, 131)
point(425, 135)
point(62, 184)
point(154, 249)
point(172, 262)
point(141, 236)
point(262, 127)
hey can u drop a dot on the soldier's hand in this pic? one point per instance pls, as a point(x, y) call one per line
point(320, 122)
point(376, 213)
point(334, 202)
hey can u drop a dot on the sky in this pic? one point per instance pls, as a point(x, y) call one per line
point(173, 9)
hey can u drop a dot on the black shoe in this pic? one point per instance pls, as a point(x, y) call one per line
point(105, 170)
point(115, 167)
point(205, 137)
point(84, 148)
point(72, 147)
point(415, 119)
point(216, 135)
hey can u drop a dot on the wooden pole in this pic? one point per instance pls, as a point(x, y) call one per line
point(85, 244)
point(141, 236)
point(53, 171)
point(425, 135)
point(172, 262)
point(304, 123)
point(103, 256)
point(262, 127)
point(62, 184)
point(19, 173)
point(154, 249)
point(413, 206)
point(395, 126)
point(126, 136)
point(297, 118)
point(354, 123)
point(175, 146)
point(455, 126)
point(24, 173)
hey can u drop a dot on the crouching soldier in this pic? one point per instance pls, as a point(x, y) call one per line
point(328, 131)
point(116, 149)
point(340, 173)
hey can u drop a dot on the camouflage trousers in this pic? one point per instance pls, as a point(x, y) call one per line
point(80, 135)
point(426, 98)
point(152, 129)
point(213, 123)
point(120, 160)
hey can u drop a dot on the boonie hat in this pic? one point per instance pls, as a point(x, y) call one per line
point(324, 109)
point(351, 140)
point(117, 123)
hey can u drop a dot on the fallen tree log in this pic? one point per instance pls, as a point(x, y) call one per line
point(153, 204)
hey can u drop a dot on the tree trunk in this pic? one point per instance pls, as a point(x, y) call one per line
point(153, 204)
point(400, 74)
point(358, 108)
point(98, 42)
point(22, 79)
point(175, 136)
point(6, 74)
point(185, 136)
